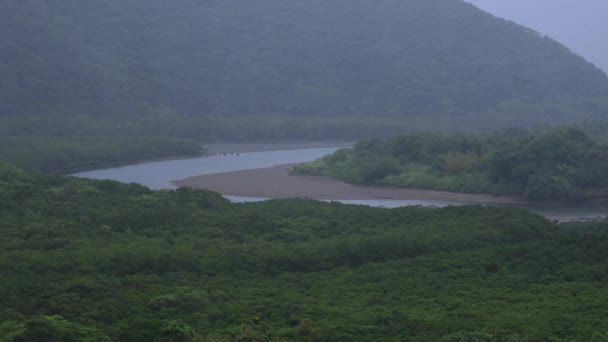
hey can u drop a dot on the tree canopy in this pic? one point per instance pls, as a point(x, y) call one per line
point(87, 260)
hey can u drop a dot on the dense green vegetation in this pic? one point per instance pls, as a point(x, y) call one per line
point(99, 260)
point(553, 164)
point(111, 62)
point(70, 154)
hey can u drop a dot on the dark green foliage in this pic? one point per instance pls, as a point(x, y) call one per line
point(160, 67)
point(178, 331)
point(97, 260)
point(555, 164)
point(550, 164)
point(50, 329)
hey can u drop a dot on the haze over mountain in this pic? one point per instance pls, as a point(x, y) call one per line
point(580, 25)
point(340, 58)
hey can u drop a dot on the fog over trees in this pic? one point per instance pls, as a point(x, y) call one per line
point(338, 59)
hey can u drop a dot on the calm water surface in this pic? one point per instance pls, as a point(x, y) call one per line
point(158, 175)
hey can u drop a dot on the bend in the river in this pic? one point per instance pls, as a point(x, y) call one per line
point(247, 172)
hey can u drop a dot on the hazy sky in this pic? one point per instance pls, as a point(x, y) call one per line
point(581, 25)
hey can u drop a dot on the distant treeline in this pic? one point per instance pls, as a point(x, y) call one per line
point(107, 142)
point(86, 260)
point(553, 164)
point(70, 154)
point(248, 128)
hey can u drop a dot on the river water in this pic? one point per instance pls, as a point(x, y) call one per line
point(159, 174)
point(235, 157)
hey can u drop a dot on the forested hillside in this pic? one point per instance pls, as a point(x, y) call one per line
point(158, 59)
point(84, 260)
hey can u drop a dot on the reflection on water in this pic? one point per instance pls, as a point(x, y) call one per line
point(158, 175)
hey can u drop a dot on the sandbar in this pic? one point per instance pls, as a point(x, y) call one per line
point(276, 182)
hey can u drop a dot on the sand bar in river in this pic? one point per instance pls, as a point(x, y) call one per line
point(275, 182)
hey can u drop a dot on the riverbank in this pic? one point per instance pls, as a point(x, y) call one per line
point(64, 155)
point(135, 161)
point(275, 182)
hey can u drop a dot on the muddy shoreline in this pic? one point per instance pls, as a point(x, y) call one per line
point(275, 182)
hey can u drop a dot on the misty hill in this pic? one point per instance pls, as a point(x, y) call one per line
point(296, 58)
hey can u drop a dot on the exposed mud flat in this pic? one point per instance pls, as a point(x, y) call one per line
point(275, 182)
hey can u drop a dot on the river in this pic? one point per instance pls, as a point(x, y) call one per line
point(236, 157)
point(159, 174)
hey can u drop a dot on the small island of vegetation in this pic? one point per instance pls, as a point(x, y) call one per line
point(556, 164)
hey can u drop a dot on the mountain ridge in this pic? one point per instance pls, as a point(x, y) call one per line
point(339, 58)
